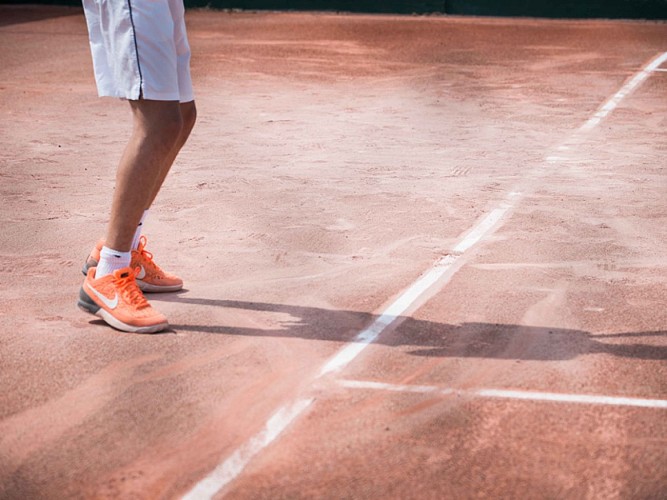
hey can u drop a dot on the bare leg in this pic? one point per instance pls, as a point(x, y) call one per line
point(189, 115)
point(158, 126)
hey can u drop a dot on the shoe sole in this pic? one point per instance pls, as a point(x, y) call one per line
point(143, 286)
point(87, 304)
point(147, 287)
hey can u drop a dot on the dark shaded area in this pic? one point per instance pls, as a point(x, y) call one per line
point(609, 9)
point(381, 6)
point(426, 338)
point(73, 3)
point(31, 13)
point(569, 9)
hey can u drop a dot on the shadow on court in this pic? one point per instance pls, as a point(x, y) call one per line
point(426, 338)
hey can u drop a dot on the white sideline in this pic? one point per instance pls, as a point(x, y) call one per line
point(237, 461)
point(614, 101)
point(234, 465)
point(418, 288)
point(591, 399)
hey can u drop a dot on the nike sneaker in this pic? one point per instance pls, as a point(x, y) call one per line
point(150, 278)
point(117, 299)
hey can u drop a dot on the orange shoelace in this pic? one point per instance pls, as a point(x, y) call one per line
point(128, 287)
point(141, 250)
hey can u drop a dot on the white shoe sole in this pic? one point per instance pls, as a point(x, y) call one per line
point(119, 325)
point(147, 287)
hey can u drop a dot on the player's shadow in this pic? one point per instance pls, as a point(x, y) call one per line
point(426, 338)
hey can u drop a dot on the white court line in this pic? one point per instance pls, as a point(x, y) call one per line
point(381, 386)
point(418, 289)
point(237, 461)
point(591, 399)
point(234, 465)
point(613, 102)
point(572, 398)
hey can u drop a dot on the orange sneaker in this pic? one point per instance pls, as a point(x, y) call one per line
point(151, 277)
point(94, 257)
point(116, 299)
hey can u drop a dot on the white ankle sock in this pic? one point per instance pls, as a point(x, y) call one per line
point(111, 260)
point(137, 233)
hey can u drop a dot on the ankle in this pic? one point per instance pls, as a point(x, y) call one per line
point(111, 260)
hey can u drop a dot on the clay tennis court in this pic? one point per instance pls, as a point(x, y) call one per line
point(424, 258)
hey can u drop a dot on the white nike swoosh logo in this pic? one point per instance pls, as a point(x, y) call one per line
point(142, 273)
point(111, 304)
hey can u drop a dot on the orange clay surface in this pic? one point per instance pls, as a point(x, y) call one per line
point(335, 159)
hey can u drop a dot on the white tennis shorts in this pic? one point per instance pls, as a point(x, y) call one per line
point(140, 49)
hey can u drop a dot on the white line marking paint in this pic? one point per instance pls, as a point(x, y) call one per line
point(614, 101)
point(234, 465)
point(381, 386)
point(418, 288)
point(591, 399)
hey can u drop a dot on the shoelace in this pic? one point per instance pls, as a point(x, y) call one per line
point(141, 249)
point(128, 287)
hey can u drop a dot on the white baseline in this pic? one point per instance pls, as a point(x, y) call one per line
point(554, 397)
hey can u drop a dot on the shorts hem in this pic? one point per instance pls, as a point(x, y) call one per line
point(160, 96)
point(116, 95)
point(187, 98)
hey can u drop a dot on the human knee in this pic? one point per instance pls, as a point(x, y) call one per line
point(159, 120)
point(189, 115)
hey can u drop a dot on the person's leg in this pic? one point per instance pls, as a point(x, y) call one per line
point(189, 117)
point(134, 60)
point(152, 278)
point(158, 128)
